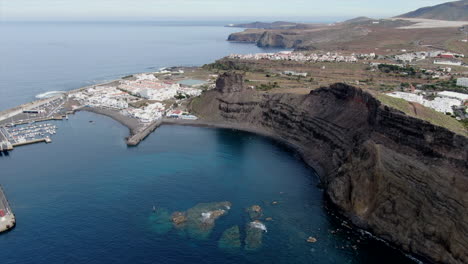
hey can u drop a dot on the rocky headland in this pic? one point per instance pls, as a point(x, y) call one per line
point(398, 177)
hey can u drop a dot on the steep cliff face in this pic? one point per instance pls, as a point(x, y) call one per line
point(301, 38)
point(249, 36)
point(403, 179)
point(278, 39)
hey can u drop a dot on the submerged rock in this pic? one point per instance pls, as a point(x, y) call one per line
point(254, 235)
point(230, 238)
point(160, 221)
point(179, 218)
point(255, 212)
point(210, 217)
point(202, 217)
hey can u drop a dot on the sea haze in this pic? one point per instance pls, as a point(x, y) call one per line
point(38, 57)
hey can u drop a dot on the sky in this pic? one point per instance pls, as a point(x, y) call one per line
point(307, 10)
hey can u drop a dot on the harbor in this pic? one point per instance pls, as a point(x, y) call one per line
point(140, 102)
point(7, 218)
point(15, 136)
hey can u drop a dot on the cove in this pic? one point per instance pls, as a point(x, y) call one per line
point(88, 198)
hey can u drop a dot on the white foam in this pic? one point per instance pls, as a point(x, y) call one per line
point(258, 225)
point(206, 216)
point(49, 94)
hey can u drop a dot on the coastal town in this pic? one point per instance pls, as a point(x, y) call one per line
point(142, 101)
point(439, 57)
point(429, 65)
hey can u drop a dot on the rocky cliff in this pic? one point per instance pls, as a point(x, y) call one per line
point(401, 178)
point(300, 38)
point(249, 36)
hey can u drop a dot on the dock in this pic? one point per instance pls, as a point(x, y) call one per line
point(12, 137)
point(7, 218)
point(33, 141)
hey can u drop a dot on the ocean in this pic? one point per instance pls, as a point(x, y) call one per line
point(88, 198)
point(38, 57)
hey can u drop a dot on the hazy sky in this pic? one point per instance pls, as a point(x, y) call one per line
point(163, 9)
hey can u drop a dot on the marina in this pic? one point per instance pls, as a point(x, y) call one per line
point(11, 137)
point(7, 218)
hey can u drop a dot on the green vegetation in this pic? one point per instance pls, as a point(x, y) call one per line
point(465, 123)
point(267, 87)
point(180, 96)
point(424, 113)
point(226, 65)
point(448, 85)
point(389, 68)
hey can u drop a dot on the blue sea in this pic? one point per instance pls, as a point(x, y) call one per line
point(88, 198)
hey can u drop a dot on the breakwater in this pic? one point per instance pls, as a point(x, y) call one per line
point(7, 218)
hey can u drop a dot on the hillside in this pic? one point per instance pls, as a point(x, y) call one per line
point(273, 25)
point(453, 11)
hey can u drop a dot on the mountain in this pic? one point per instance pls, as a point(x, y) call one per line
point(454, 11)
point(273, 25)
point(358, 20)
point(263, 25)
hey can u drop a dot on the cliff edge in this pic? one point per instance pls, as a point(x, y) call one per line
point(401, 178)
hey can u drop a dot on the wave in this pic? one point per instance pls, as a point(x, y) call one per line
point(258, 225)
point(49, 94)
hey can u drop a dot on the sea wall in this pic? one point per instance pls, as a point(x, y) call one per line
point(401, 178)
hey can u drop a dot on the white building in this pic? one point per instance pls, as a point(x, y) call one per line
point(442, 103)
point(447, 62)
point(453, 95)
point(293, 73)
point(462, 82)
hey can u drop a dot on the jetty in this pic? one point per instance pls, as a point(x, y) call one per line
point(7, 218)
point(12, 137)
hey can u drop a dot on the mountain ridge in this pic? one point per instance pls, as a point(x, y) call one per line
point(451, 11)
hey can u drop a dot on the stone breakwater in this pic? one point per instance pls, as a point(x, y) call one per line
point(401, 178)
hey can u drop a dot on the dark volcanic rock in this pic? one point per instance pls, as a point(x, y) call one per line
point(230, 82)
point(401, 178)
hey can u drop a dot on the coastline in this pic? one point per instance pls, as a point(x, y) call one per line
point(342, 162)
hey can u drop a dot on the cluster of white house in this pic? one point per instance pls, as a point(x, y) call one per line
point(108, 97)
point(441, 57)
point(422, 55)
point(443, 102)
point(142, 85)
point(299, 56)
point(148, 113)
point(153, 89)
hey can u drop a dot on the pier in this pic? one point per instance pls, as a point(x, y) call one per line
point(11, 137)
point(7, 218)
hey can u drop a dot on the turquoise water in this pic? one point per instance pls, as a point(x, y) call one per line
point(88, 198)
